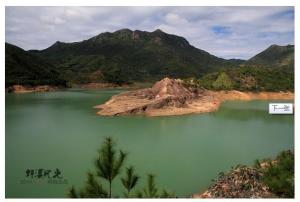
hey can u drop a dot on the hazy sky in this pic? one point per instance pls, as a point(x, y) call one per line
point(228, 32)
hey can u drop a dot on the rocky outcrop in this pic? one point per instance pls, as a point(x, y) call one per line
point(166, 97)
point(173, 97)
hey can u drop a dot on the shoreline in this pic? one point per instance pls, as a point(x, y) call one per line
point(94, 86)
point(199, 107)
point(19, 89)
point(88, 86)
point(210, 101)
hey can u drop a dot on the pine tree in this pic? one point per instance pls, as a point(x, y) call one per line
point(150, 191)
point(166, 194)
point(72, 193)
point(93, 189)
point(108, 163)
point(130, 181)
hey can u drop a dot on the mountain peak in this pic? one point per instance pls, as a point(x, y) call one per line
point(275, 55)
point(125, 30)
point(159, 31)
point(279, 46)
point(56, 44)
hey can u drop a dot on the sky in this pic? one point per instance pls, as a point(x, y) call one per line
point(227, 32)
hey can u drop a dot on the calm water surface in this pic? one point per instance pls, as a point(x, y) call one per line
point(61, 130)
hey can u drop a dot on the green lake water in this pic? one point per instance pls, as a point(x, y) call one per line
point(61, 130)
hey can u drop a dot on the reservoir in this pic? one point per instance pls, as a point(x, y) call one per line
point(60, 130)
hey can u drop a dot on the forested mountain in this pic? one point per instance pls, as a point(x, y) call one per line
point(128, 56)
point(24, 68)
point(278, 56)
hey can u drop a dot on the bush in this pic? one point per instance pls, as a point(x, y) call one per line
point(279, 176)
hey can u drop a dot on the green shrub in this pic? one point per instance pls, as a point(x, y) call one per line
point(279, 176)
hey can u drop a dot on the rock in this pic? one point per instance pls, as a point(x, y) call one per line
point(172, 87)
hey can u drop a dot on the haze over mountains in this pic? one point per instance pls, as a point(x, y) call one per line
point(126, 56)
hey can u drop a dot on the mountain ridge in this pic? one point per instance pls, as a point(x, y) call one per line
point(133, 55)
point(274, 55)
point(126, 56)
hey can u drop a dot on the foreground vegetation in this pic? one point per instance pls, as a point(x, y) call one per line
point(268, 178)
point(278, 174)
point(108, 165)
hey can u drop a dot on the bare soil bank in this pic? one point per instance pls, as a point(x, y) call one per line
point(29, 89)
point(46, 88)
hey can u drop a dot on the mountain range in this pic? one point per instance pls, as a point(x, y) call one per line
point(126, 56)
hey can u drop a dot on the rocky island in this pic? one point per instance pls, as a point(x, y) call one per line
point(172, 97)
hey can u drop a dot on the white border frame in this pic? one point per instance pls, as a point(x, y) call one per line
point(4, 3)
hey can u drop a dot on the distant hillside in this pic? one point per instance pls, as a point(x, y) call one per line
point(24, 68)
point(274, 56)
point(248, 78)
point(126, 55)
point(270, 70)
